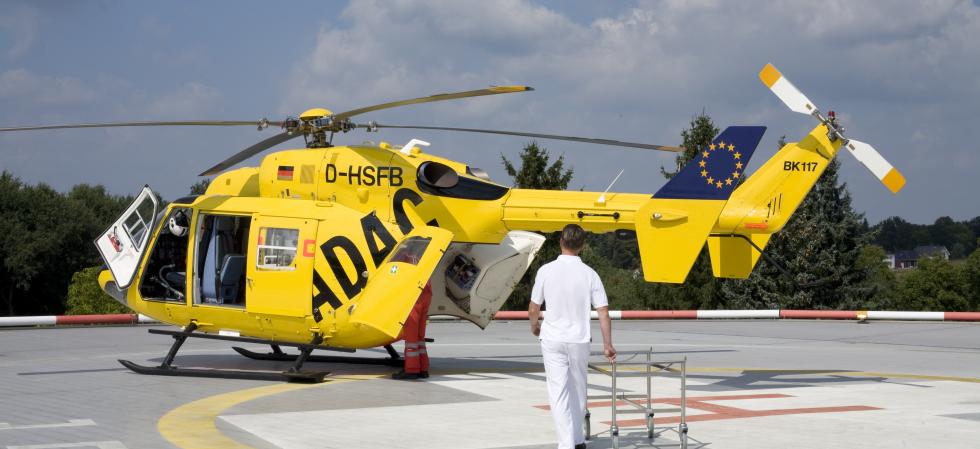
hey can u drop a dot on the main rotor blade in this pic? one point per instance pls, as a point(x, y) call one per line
point(494, 90)
point(256, 123)
point(882, 169)
point(786, 91)
point(250, 151)
point(617, 143)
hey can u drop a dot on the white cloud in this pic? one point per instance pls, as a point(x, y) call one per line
point(641, 74)
point(188, 101)
point(24, 85)
point(20, 23)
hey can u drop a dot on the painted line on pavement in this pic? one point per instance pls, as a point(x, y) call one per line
point(70, 423)
point(192, 425)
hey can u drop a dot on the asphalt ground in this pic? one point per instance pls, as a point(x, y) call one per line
point(750, 384)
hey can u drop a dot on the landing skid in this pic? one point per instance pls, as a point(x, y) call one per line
point(293, 374)
point(286, 376)
point(278, 355)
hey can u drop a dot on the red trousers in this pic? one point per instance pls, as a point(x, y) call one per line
point(416, 358)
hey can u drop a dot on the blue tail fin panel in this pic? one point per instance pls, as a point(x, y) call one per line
point(717, 168)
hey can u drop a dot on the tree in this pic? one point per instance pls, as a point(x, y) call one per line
point(45, 237)
point(536, 172)
point(86, 297)
point(971, 274)
point(820, 246)
point(699, 135)
point(200, 187)
point(934, 285)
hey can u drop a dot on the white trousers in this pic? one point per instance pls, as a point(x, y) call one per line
point(565, 366)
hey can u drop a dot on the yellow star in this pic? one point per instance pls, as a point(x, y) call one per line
point(738, 155)
point(735, 175)
point(731, 147)
point(718, 184)
point(712, 146)
point(728, 181)
point(721, 144)
point(711, 180)
point(706, 154)
point(738, 165)
point(704, 173)
point(701, 164)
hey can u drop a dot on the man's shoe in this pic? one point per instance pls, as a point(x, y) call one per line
point(424, 375)
point(402, 375)
point(580, 446)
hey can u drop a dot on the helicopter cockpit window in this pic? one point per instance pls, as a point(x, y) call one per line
point(220, 264)
point(165, 275)
point(276, 249)
point(137, 224)
point(410, 250)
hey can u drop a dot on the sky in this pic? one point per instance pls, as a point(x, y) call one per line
point(902, 76)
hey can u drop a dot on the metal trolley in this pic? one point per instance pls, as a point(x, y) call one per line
point(642, 403)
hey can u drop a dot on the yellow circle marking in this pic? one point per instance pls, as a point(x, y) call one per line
point(192, 425)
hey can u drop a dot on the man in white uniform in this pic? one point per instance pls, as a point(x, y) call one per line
point(570, 288)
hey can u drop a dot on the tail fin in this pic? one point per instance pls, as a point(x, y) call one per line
point(764, 203)
point(672, 227)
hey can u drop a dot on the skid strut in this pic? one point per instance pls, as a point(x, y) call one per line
point(293, 374)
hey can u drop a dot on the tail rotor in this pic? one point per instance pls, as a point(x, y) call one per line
point(796, 101)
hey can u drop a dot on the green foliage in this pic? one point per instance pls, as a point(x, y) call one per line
point(879, 279)
point(935, 284)
point(86, 297)
point(820, 246)
point(960, 238)
point(200, 187)
point(536, 172)
point(45, 237)
point(698, 136)
point(971, 276)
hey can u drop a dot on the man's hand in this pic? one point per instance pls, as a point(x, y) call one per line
point(605, 324)
point(610, 352)
point(533, 315)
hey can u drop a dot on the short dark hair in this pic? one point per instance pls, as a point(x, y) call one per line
point(573, 237)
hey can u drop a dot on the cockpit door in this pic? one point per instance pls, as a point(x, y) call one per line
point(123, 244)
point(392, 291)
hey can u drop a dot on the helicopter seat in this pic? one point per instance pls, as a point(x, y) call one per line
point(176, 278)
point(232, 272)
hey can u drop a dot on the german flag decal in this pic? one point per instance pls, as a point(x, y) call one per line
point(285, 173)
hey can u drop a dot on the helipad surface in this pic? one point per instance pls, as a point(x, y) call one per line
point(751, 384)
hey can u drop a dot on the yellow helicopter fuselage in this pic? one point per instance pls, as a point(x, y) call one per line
point(342, 210)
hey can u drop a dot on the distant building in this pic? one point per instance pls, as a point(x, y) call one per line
point(902, 260)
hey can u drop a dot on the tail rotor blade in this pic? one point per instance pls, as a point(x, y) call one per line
point(251, 151)
point(882, 169)
point(786, 91)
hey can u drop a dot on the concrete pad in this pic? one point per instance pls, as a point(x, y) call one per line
point(759, 384)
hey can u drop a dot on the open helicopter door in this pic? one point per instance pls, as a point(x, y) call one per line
point(123, 244)
point(392, 290)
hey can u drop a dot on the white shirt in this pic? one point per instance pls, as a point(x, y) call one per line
point(571, 288)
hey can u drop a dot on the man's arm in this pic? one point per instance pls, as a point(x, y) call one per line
point(606, 325)
point(533, 314)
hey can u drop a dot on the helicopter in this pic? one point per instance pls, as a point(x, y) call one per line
point(327, 247)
